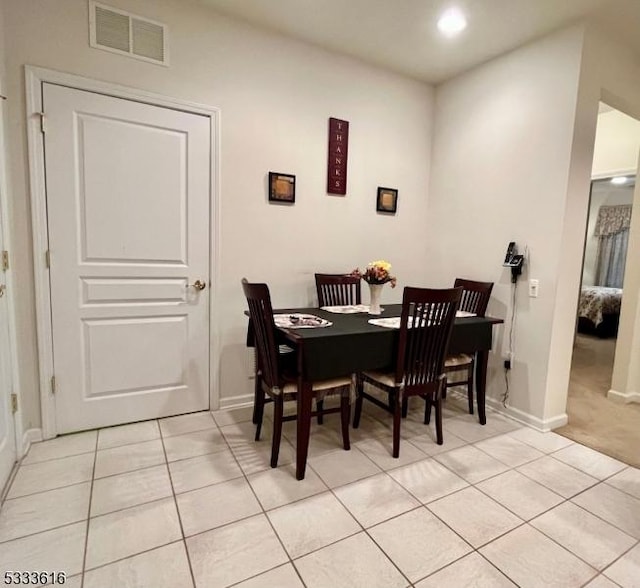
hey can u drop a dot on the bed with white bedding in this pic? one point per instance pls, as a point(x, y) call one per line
point(599, 310)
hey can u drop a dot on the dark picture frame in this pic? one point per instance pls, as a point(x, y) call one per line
point(387, 200)
point(282, 188)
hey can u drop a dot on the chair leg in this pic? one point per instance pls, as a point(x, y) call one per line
point(470, 388)
point(439, 438)
point(257, 387)
point(358, 409)
point(258, 395)
point(319, 409)
point(258, 409)
point(405, 407)
point(278, 409)
point(397, 413)
point(427, 410)
point(345, 417)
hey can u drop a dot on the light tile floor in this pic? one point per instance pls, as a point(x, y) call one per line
point(191, 501)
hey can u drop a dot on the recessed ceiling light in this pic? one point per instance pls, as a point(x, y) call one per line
point(452, 22)
point(619, 180)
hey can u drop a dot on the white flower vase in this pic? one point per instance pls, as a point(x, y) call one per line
point(375, 291)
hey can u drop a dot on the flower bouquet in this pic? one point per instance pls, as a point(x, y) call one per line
point(376, 274)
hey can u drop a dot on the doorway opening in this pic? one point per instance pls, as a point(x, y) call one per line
point(594, 419)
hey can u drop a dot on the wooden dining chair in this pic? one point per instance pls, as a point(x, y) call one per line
point(279, 380)
point(425, 329)
point(338, 289)
point(475, 298)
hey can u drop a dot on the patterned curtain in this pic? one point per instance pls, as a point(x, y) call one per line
point(612, 229)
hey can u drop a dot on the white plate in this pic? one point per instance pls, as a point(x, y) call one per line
point(351, 309)
point(299, 321)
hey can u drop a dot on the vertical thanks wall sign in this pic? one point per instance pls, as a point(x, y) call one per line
point(338, 150)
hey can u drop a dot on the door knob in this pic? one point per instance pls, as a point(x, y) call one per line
point(198, 285)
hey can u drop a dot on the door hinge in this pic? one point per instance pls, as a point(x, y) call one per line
point(5, 261)
point(53, 384)
point(43, 122)
point(14, 403)
point(47, 258)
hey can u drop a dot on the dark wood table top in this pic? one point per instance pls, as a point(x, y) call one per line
point(352, 344)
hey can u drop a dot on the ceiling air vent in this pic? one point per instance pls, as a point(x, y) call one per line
point(127, 34)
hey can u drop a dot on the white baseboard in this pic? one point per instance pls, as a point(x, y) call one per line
point(30, 436)
point(236, 401)
point(527, 419)
point(623, 397)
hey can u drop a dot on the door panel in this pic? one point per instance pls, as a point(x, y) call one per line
point(152, 358)
point(119, 189)
point(128, 210)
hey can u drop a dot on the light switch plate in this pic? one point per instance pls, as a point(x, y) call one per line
point(533, 288)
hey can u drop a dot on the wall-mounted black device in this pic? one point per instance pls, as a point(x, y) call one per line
point(514, 261)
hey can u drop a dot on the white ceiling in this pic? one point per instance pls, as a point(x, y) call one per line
point(401, 35)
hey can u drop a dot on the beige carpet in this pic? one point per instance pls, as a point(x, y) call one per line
point(594, 420)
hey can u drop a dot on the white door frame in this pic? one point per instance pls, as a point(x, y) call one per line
point(21, 444)
point(34, 78)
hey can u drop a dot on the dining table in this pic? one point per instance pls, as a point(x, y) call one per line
point(351, 344)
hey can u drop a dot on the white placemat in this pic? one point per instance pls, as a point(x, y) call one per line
point(349, 309)
point(300, 321)
point(393, 322)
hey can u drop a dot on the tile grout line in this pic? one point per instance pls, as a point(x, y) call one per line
point(564, 547)
point(48, 490)
point(57, 458)
point(43, 531)
point(362, 528)
point(175, 503)
point(181, 540)
point(421, 505)
point(595, 514)
point(125, 558)
point(528, 522)
point(86, 537)
point(637, 541)
point(123, 473)
point(424, 505)
point(264, 512)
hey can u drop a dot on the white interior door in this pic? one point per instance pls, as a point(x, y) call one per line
point(128, 213)
point(7, 431)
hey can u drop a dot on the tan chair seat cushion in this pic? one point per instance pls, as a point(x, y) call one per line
point(386, 378)
point(456, 361)
point(292, 387)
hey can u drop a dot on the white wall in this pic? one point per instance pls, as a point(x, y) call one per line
point(617, 144)
point(501, 151)
point(275, 97)
point(610, 72)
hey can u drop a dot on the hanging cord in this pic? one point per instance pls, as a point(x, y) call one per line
point(505, 396)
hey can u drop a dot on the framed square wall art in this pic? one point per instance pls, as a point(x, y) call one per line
point(387, 200)
point(282, 188)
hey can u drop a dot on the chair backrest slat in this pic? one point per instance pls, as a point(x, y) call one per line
point(338, 289)
point(425, 329)
point(261, 314)
point(475, 295)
